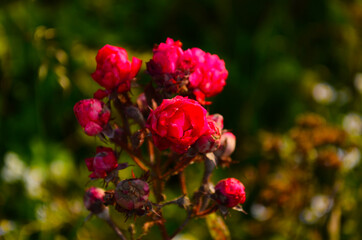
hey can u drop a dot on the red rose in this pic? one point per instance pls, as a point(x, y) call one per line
point(230, 192)
point(92, 115)
point(209, 77)
point(165, 57)
point(177, 123)
point(114, 70)
point(103, 163)
point(190, 61)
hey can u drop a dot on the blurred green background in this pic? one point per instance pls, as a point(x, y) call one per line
point(285, 58)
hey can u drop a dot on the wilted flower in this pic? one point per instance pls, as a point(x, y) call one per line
point(132, 194)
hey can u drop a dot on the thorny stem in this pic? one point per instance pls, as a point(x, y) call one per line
point(136, 160)
point(118, 104)
point(125, 147)
point(181, 164)
point(207, 211)
point(169, 202)
point(157, 172)
point(171, 158)
point(115, 228)
point(151, 151)
point(131, 230)
point(209, 167)
point(183, 182)
point(158, 187)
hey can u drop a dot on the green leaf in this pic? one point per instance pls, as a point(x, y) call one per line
point(217, 227)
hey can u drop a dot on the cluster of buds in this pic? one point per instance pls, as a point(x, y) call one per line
point(172, 120)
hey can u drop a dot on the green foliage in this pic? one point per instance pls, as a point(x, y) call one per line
point(217, 227)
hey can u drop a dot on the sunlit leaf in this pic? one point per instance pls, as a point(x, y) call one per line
point(217, 227)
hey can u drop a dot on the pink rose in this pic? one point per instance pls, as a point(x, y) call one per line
point(177, 123)
point(210, 140)
point(92, 115)
point(103, 163)
point(209, 77)
point(190, 61)
point(165, 57)
point(114, 70)
point(230, 192)
point(93, 200)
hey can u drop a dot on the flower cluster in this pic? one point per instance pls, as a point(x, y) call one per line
point(190, 72)
point(172, 121)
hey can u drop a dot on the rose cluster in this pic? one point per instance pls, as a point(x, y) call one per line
point(170, 117)
point(191, 72)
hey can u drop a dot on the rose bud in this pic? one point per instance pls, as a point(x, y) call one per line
point(92, 115)
point(218, 119)
point(93, 200)
point(229, 192)
point(114, 70)
point(210, 141)
point(165, 58)
point(103, 163)
point(132, 194)
point(227, 145)
point(177, 123)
